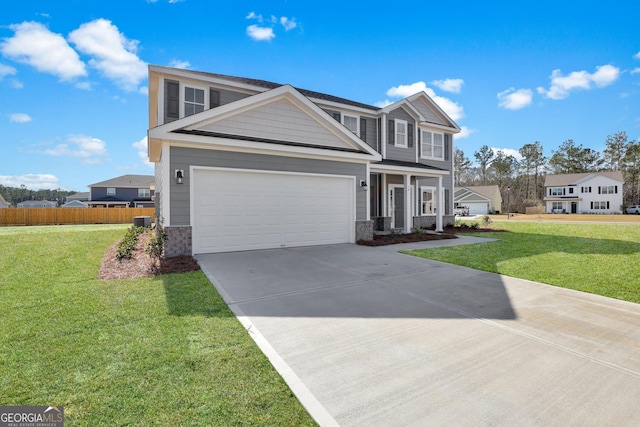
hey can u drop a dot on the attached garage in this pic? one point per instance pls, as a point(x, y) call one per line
point(478, 208)
point(235, 210)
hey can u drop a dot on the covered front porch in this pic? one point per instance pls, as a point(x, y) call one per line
point(403, 197)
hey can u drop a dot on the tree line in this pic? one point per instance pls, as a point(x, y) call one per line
point(525, 178)
point(15, 195)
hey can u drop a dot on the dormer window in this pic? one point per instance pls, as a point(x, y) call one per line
point(351, 123)
point(401, 133)
point(193, 100)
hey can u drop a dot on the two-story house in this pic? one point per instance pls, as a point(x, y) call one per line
point(597, 192)
point(249, 164)
point(135, 191)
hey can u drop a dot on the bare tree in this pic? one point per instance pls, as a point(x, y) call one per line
point(484, 156)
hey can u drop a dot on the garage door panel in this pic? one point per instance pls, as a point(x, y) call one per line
point(244, 210)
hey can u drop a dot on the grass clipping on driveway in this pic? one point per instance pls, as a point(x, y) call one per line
point(161, 350)
point(602, 259)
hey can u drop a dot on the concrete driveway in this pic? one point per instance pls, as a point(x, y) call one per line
point(368, 336)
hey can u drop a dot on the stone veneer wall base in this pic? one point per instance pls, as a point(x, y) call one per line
point(178, 241)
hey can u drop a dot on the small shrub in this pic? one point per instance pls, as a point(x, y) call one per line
point(155, 247)
point(128, 243)
point(486, 221)
point(474, 226)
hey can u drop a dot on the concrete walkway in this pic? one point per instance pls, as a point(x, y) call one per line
point(368, 336)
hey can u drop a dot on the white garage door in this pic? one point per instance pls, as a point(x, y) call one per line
point(478, 208)
point(245, 210)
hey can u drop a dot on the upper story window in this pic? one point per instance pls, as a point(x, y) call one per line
point(193, 100)
point(608, 189)
point(351, 122)
point(432, 145)
point(144, 193)
point(556, 191)
point(585, 189)
point(111, 191)
point(401, 133)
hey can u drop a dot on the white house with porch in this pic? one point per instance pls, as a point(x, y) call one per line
point(597, 192)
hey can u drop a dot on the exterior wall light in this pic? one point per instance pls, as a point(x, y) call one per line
point(179, 176)
point(363, 184)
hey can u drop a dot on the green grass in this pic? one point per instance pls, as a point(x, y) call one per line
point(154, 351)
point(602, 259)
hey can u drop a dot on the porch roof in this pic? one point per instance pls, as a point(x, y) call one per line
point(562, 199)
point(398, 167)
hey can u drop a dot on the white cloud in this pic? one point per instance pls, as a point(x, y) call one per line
point(20, 118)
point(253, 15)
point(16, 84)
point(465, 132)
point(6, 70)
point(635, 70)
point(178, 63)
point(260, 33)
point(113, 54)
point(452, 108)
point(144, 90)
point(83, 86)
point(33, 181)
point(35, 45)
point(449, 85)
point(90, 149)
point(562, 85)
point(513, 99)
point(141, 147)
point(288, 24)
point(637, 55)
point(508, 152)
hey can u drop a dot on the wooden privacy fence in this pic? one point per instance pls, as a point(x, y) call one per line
point(52, 216)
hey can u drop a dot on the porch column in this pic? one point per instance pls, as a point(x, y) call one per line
point(408, 218)
point(440, 208)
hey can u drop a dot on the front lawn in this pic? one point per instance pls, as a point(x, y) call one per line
point(162, 350)
point(602, 259)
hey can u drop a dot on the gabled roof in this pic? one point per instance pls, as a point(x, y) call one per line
point(74, 204)
point(576, 178)
point(227, 125)
point(3, 202)
point(264, 84)
point(486, 191)
point(127, 181)
point(426, 110)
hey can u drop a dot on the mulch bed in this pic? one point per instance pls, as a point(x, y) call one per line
point(393, 239)
point(142, 265)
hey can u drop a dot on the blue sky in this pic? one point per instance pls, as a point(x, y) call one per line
point(74, 91)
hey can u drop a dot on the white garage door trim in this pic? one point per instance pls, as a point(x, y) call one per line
point(261, 217)
point(478, 208)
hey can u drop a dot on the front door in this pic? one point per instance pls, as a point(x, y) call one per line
point(574, 207)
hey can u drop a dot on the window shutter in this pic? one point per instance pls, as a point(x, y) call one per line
point(599, 190)
point(336, 116)
point(419, 143)
point(446, 202)
point(616, 189)
point(591, 205)
point(363, 129)
point(391, 132)
point(214, 98)
point(564, 191)
point(447, 144)
point(607, 205)
point(409, 135)
point(171, 100)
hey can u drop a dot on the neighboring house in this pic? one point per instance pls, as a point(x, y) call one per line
point(37, 204)
point(3, 202)
point(75, 204)
point(597, 192)
point(81, 197)
point(480, 200)
point(136, 191)
point(247, 164)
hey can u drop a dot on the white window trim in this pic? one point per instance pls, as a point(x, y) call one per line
point(406, 132)
point(556, 190)
point(434, 200)
point(147, 192)
point(357, 118)
point(181, 99)
point(111, 193)
point(432, 139)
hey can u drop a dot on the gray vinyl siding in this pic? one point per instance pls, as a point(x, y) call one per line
point(227, 96)
point(183, 158)
point(398, 153)
point(372, 133)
